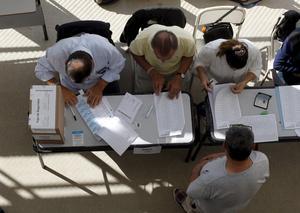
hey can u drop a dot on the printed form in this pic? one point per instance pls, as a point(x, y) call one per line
point(169, 115)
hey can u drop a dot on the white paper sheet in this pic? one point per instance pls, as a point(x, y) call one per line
point(101, 121)
point(43, 102)
point(128, 108)
point(264, 127)
point(224, 105)
point(290, 106)
point(169, 115)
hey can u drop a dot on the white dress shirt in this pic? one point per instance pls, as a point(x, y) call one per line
point(108, 61)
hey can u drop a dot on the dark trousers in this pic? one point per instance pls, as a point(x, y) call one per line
point(290, 78)
point(112, 88)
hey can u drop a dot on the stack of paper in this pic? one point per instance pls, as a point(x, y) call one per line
point(264, 127)
point(43, 100)
point(226, 111)
point(289, 99)
point(225, 106)
point(101, 121)
point(169, 115)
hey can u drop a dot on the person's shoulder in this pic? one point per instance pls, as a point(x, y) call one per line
point(94, 39)
point(214, 171)
point(257, 156)
point(250, 45)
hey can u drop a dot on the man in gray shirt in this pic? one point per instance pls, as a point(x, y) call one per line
point(226, 182)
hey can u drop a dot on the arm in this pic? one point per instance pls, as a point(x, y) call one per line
point(174, 85)
point(95, 93)
point(157, 79)
point(202, 75)
point(45, 72)
point(198, 167)
point(239, 87)
point(282, 62)
point(116, 63)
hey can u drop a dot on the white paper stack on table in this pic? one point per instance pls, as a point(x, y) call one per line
point(169, 115)
point(46, 118)
point(289, 107)
point(226, 110)
point(101, 120)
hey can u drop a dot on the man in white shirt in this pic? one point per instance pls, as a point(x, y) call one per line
point(228, 61)
point(226, 182)
point(88, 62)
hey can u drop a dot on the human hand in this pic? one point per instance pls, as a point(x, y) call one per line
point(69, 97)
point(239, 87)
point(157, 81)
point(94, 95)
point(206, 84)
point(174, 87)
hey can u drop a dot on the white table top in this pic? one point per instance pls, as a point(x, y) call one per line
point(246, 100)
point(145, 127)
point(10, 7)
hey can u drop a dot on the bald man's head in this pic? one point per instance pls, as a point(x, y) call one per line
point(164, 44)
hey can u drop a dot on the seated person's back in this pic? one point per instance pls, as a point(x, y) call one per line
point(228, 61)
point(287, 59)
point(220, 191)
point(226, 182)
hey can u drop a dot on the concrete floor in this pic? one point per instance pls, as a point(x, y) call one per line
point(103, 181)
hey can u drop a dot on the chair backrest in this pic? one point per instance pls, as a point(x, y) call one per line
point(211, 14)
point(145, 17)
point(93, 27)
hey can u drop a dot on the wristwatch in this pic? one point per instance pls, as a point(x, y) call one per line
point(182, 75)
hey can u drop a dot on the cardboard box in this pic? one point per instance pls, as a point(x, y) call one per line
point(46, 119)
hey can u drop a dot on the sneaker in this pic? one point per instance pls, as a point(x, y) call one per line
point(179, 196)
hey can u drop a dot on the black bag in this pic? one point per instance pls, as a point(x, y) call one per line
point(93, 27)
point(285, 25)
point(216, 30)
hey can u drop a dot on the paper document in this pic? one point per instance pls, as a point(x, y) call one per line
point(225, 106)
point(128, 107)
point(264, 127)
point(289, 99)
point(43, 99)
point(102, 122)
point(169, 115)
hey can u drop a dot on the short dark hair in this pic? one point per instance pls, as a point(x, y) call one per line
point(79, 74)
point(236, 53)
point(164, 41)
point(238, 142)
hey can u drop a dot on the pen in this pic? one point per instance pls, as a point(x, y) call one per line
point(209, 83)
point(149, 111)
point(73, 113)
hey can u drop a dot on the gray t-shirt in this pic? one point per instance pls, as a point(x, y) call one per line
point(217, 191)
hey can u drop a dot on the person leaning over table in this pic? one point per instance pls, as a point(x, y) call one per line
point(87, 62)
point(164, 55)
point(226, 182)
point(287, 59)
point(228, 61)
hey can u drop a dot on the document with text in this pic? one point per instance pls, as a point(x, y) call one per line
point(264, 127)
point(169, 115)
point(103, 123)
point(289, 99)
point(225, 106)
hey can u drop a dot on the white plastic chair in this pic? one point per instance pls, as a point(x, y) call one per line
point(211, 14)
point(271, 52)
